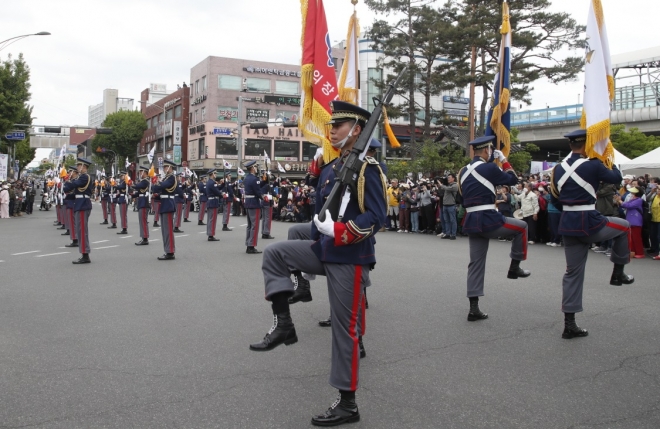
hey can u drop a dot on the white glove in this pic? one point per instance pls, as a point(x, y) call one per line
point(326, 227)
point(499, 156)
point(318, 154)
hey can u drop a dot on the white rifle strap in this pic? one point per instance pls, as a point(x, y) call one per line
point(569, 172)
point(471, 170)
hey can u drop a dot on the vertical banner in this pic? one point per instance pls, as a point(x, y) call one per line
point(177, 133)
point(4, 160)
point(177, 155)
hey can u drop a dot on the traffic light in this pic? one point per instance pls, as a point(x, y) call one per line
point(53, 130)
point(104, 131)
point(290, 124)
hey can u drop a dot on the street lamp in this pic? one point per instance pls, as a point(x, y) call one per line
point(4, 43)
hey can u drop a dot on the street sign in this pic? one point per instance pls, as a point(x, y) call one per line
point(15, 135)
point(222, 131)
point(160, 161)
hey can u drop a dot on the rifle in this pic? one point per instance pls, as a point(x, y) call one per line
point(346, 180)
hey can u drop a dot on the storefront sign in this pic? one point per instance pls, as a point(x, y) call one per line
point(278, 72)
point(177, 154)
point(227, 114)
point(256, 115)
point(459, 100)
point(198, 100)
point(171, 102)
point(177, 133)
point(296, 167)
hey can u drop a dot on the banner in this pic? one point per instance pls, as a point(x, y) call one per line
point(598, 88)
point(319, 81)
point(4, 162)
point(349, 85)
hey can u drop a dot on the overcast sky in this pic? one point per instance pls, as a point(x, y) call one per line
point(128, 44)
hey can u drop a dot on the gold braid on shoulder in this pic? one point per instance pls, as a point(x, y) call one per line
point(362, 181)
point(89, 180)
point(553, 187)
point(173, 188)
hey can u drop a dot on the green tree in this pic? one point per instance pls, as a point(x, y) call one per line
point(632, 143)
point(415, 38)
point(43, 167)
point(539, 38)
point(399, 169)
point(521, 159)
point(128, 127)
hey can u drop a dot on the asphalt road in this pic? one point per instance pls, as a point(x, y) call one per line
point(131, 342)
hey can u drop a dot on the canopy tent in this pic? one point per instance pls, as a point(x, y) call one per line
point(619, 160)
point(647, 163)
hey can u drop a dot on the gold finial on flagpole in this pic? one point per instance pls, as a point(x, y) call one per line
point(354, 2)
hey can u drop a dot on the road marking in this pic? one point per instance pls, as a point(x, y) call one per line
point(101, 241)
point(203, 232)
point(105, 247)
point(128, 236)
point(183, 235)
point(2, 261)
point(25, 253)
point(51, 254)
point(155, 239)
point(245, 224)
point(156, 229)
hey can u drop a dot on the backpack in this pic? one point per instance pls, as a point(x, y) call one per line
point(458, 198)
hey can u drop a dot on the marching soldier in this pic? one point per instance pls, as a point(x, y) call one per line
point(179, 200)
point(477, 184)
point(253, 196)
point(573, 185)
point(167, 189)
point(82, 208)
point(266, 207)
point(69, 202)
point(60, 208)
point(213, 194)
point(343, 251)
point(104, 196)
point(142, 194)
point(122, 189)
point(112, 200)
point(228, 197)
point(203, 199)
point(187, 195)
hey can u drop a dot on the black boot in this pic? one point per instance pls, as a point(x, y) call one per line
point(74, 243)
point(267, 236)
point(619, 277)
point(343, 410)
point(326, 323)
point(226, 228)
point(186, 220)
point(475, 313)
point(571, 329)
point(177, 230)
point(66, 233)
point(301, 289)
point(363, 352)
point(105, 222)
point(212, 238)
point(282, 332)
point(143, 242)
point(252, 250)
point(62, 227)
point(84, 259)
point(156, 224)
point(199, 222)
point(166, 257)
point(113, 226)
point(123, 231)
point(515, 271)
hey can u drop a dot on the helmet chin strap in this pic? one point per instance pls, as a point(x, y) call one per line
point(340, 144)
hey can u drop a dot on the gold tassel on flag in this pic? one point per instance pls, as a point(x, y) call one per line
point(152, 171)
point(388, 130)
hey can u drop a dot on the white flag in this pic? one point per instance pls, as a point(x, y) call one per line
point(348, 78)
point(598, 87)
point(266, 158)
point(150, 155)
point(112, 171)
point(128, 164)
point(280, 168)
point(226, 164)
point(241, 172)
point(188, 172)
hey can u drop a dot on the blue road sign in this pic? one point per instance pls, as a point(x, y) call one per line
point(15, 135)
point(222, 131)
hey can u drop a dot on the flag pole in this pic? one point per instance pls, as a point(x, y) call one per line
point(505, 11)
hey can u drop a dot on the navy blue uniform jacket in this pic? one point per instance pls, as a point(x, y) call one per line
point(476, 194)
point(166, 189)
point(142, 194)
point(81, 186)
point(201, 187)
point(213, 193)
point(582, 223)
point(252, 192)
point(353, 242)
point(121, 188)
point(180, 190)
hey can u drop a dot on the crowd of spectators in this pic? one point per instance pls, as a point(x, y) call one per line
point(17, 197)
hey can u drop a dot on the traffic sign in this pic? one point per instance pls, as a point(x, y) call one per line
point(15, 135)
point(222, 131)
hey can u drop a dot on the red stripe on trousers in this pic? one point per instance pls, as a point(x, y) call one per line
point(145, 222)
point(81, 242)
point(214, 221)
point(524, 237)
point(72, 223)
point(124, 215)
point(171, 227)
point(363, 322)
point(104, 207)
point(186, 211)
point(113, 212)
point(256, 228)
point(156, 211)
point(228, 212)
point(179, 207)
point(623, 228)
point(202, 210)
point(355, 359)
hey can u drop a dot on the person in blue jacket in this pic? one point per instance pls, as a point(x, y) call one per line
point(166, 189)
point(477, 183)
point(341, 249)
point(214, 196)
point(252, 188)
point(69, 201)
point(227, 201)
point(82, 188)
point(122, 201)
point(141, 189)
point(573, 186)
point(203, 199)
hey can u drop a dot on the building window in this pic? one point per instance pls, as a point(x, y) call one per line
point(287, 116)
point(309, 150)
point(197, 87)
point(168, 115)
point(169, 142)
point(225, 146)
point(227, 113)
point(255, 147)
point(226, 81)
point(286, 87)
point(161, 117)
point(190, 118)
point(373, 75)
point(258, 84)
point(203, 114)
point(178, 110)
point(196, 116)
point(200, 148)
point(148, 123)
point(204, 83)
point(286, 149)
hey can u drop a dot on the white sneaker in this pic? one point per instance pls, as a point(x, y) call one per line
point(441, 235)
point(530, 242)
point(549, 243)
point(400, 230)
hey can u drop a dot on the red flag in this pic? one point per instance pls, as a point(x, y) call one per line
point(319, 81)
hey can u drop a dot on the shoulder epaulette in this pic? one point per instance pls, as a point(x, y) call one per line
point(371, 160)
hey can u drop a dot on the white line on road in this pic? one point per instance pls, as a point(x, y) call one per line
point(203, 232)
point(128, 236)
point(156, 229)
point(106, 247)
point(50, 254)
point(2, 261)
point(245, 224)
point(183, 235)
point(155, 239)
point(101, 241)
point(25, 253)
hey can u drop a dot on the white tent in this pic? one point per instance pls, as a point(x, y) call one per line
point(619, 160)
point(647, 163)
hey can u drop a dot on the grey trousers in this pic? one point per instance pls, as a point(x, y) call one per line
point(143, 217)
point(300, 231)
point(211, 221)
point(266, 219)
point(344, 292)
point(479, 249)
point(576, 250)
point(82, 230)
point(167, 229)
point(252, 229)
point(226, 213)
